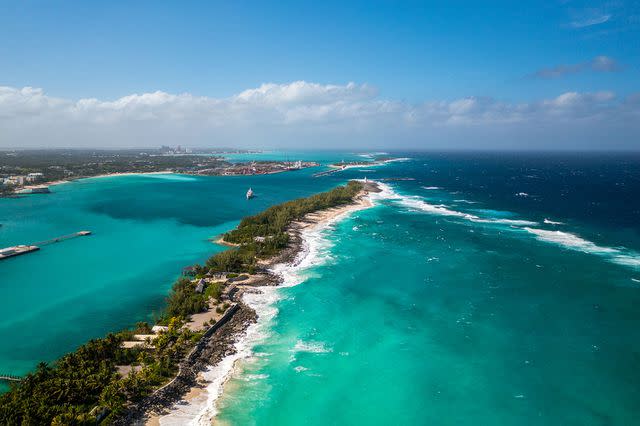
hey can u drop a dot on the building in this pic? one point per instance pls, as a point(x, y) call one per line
point(32, 177)
point(159, 329)
point(15, 180)
point(200, 286)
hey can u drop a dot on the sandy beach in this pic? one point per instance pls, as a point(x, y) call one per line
point(200, 393)
point(312, 220)
point(58, 182)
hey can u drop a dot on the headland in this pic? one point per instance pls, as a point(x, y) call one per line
point(133, 375)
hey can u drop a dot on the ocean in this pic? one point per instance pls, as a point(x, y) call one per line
point(481, 288)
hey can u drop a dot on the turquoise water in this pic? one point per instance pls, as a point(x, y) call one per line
point(428, 310)
point(145, 229)
point(455, 300)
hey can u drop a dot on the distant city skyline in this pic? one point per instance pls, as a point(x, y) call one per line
point(357, 75)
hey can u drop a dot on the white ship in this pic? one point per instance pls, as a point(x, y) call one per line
point(249, 194)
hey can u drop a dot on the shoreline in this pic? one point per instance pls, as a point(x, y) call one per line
point(190, 341)
point(205, 393)
point(62, 181)
point(375, 163)
point(161, 172)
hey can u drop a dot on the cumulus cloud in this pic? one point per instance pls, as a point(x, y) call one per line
point(597, 64)
point(302, 114)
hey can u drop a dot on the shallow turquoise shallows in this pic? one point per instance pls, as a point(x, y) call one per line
point(145, 229)
point(440, 306)
point(480, 290)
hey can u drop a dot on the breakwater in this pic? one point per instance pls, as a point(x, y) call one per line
point(217, 343)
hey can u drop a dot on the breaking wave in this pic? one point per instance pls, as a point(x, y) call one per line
point(315, 251)
point(618, 255)
point(419, 204)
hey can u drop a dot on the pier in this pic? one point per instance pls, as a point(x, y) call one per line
point(12, 251)
point(327, 172)
point(10, 378)
point(62, 238)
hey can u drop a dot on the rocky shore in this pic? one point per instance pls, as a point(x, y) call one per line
point(216, 344)
point(220, 339)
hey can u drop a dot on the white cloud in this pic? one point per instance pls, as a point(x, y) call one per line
point(590, 21)
point(286, 115)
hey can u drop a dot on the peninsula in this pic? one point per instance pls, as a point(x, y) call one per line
point(129, 375)
point(30, 171)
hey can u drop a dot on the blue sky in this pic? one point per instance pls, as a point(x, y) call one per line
point(408, 52)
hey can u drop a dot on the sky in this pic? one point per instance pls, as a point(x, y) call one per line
point(556, 74)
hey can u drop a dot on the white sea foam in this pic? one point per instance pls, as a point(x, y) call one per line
point(430, 188)
point(618, 255)
point(315, 251)
point(551, 222)
point(570, 241)
point(311, 347)
point(632, 260)
point(372, 154)
point(419, 204)
point(416, 203)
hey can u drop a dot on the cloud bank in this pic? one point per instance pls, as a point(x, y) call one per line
point(311, 115)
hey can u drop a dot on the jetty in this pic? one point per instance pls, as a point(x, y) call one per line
point(62, 238)
point(10, 378)
point(12, 251)
point(327, 172)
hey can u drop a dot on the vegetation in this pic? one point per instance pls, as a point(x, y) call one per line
point(184, 301)
point(84, 387)
point(269, 227)
point(60, 164)
point(265, 234)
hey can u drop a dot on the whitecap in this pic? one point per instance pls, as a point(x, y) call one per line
point(200, 410)
point(551, 222)
point(311, 347)
point(419, 204)
point(570, 241)
point(619, 255)
point(430, 188)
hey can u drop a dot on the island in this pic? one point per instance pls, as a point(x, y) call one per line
point(32, 171)
point(130, 375)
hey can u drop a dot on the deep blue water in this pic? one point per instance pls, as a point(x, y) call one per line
point(492, 288)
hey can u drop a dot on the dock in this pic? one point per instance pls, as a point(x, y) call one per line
point(327, 172)
point(8, 252)
point(18, 250)
point(10, 378)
